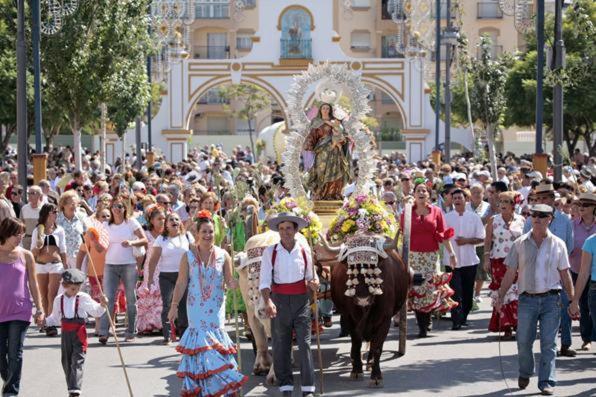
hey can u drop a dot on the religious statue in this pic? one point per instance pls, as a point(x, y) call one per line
point(330, 144)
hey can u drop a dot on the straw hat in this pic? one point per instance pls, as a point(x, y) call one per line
point(286, 217)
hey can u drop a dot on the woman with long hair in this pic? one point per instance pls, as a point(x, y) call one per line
point(166, 253)
point(48, 245)
point(429, 230)
point(208, 366)
point(501, 231)
point(149, 305)
point(18, 283)
point(124, 234)
point(209, 202)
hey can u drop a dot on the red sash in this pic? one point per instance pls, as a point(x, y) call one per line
point(295, 288)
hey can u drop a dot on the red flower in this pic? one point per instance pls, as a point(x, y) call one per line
point(203, 214)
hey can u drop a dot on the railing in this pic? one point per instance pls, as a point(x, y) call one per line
point(212, 10)
point(443, 14)
point(296, 49)
point(385, 14)
point(212, 132)
point(489, 10)
point(211, 52)
point(389, 51)
point(244, 43)
point(495, 51)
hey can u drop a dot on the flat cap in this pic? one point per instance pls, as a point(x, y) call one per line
point(73, 276)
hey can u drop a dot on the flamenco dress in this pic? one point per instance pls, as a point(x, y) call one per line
point(208, 367)
point(149, 303)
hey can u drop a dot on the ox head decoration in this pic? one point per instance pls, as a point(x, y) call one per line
point(361, 253)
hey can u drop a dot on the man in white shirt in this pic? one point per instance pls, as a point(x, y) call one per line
point(30, 213)
point(469, 232)
point(540, 261)
point(287, 278)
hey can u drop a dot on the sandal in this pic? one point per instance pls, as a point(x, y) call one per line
point(103, 340)
point(51, 331)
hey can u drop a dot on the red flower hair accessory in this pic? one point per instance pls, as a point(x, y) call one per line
point(204, 214)
point(518, 199)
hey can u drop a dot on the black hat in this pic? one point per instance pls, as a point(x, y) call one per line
point(73, 276)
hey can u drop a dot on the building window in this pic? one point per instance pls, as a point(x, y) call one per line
point(212, 9)
point(250, 3)
point(244, 43)
point(360, 41)
point(389, 47)
point(433, 10)
point(489, 10)
point(386, 12)
point(360, 3)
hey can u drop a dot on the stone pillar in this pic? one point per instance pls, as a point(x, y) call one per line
point(540, 162)
point(39, 166)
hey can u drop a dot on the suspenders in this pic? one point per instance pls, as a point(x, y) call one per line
point(76, 311)
point(274, 256)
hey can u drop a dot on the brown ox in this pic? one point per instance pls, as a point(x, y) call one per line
point(367, 317)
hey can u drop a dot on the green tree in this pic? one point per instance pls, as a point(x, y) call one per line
point(98, 56)
point(579, 33)
point(252, 100)
point(8, 72)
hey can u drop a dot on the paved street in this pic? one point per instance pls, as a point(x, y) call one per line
point(450, 363)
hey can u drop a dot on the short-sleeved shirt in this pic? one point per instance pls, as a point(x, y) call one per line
point(560, 226)
point(116, 253)
point(538, 267)
point(590, 248)
point(427, 231)
point(468, 225)
point(172, 250)
point(56, 238)
point(580, 235)
point(73, 231)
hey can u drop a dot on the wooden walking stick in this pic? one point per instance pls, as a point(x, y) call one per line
point(235, 304)
point(316, 312)
point(403, 313)
point(112, 325)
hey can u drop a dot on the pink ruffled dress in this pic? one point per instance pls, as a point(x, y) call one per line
point(149, 300)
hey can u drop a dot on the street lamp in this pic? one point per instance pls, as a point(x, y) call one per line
point(450, 37)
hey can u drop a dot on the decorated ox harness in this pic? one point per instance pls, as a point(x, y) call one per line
point(362, 253)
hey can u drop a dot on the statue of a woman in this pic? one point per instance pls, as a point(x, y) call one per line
point(332, 169)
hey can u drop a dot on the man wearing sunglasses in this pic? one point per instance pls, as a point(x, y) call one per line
point(561, 227)
point(541, 263)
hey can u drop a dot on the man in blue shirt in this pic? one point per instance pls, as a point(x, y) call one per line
point(561, 227)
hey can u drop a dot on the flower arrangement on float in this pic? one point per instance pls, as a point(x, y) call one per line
point(365, 214)
point(301, 208)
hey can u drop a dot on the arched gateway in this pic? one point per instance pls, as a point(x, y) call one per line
point(281, 49)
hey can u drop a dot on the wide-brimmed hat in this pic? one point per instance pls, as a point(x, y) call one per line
point(535, 175)
point(588, 197)
point(273, 223)
point(586, 173)
point(544, 188)
point(547, 209)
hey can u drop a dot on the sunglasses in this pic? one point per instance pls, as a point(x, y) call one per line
point(525, 214)
point(164, 202)
point(118, 206)
point(389, 202)
point(540, 215)
point(16, 193)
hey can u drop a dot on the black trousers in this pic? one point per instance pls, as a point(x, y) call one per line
point(462, 283)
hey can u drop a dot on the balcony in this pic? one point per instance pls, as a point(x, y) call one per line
point(433, 10)
point(296, 49)
point(495, 51)
point(211, 52)
point(488, 10)
point(212, 9)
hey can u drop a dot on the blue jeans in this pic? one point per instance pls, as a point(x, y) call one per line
point(592, 303)
point(112, 275)
point(565, 321)
point(532, 310)
point(587, 331)
point(12, 336)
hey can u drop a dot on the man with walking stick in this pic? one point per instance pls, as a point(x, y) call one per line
point(286, 277)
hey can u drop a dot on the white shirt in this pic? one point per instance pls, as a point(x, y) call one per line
point(87, 308)
point(58, 234)
point(172, 250)
point(116, 253)
point(289, 266)
point(468, 225)
point(538, 267)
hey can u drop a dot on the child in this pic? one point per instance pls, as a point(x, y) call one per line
point(70, 310)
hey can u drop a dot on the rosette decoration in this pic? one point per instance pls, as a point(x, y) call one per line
point(364, 214)
point(302, 208)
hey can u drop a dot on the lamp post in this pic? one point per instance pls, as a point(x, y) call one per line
point(23, 145)
point(450, 37)
point(437, 78)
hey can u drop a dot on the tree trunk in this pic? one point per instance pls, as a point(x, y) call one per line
point(490, 139)
point(252, 144)
point(102, 139)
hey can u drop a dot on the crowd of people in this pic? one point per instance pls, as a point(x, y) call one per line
point(136, 233)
